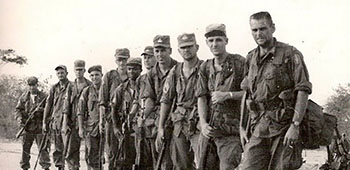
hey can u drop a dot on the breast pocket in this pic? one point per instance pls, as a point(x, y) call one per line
point(92, 102)
point(272, 78)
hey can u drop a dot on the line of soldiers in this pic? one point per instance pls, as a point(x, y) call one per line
point(205, 113)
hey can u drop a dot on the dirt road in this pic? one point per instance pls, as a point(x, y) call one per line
point(10, 153)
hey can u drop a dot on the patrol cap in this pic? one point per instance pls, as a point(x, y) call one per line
point(122, 53)
point(186, 39)
point(61, 67)
point(148, 51)
point(79, 64)
point(95, 68)
point(161, 41)
point(134, 61)
point(215, 30)
point(31, 81)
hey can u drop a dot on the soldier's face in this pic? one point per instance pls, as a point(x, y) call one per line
point(188, 52)
point(162, 54)
point(96, 77)
point(217, 44)
point(133, 71)
point(149, 61)
point(121, 62)
point(61, 74)
point(79, 72)
point(33, 88)
point(262, 31)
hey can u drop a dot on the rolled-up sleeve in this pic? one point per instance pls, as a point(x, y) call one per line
point(202, 84)
point(300, 73)
point(149, 88)
point(169, 90)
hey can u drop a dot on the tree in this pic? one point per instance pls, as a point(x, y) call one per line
point(339, 105)
point(10, 56)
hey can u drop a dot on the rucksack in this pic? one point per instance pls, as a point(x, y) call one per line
point(317, 127)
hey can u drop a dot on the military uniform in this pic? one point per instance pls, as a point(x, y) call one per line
point(111, 80)
point(185, 117)
point(154, 82)
point(54, 113)
point(228, 146)
point(88, 108)
point(280, 70)
point(72, 138)
point(123, 99)
point(26, 104)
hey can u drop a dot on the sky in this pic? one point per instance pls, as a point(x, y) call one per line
point(56, 32)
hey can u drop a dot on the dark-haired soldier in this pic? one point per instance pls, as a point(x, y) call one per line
point(54, 113)
point(88, 120)
point(277, 85)
point(122, 118)
point(29, 104)
point(70, 117)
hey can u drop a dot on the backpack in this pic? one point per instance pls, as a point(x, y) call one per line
point(317, 127)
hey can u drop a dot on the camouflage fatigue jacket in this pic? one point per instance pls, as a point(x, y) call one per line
point(54, 105)
point(266, 77)
point(72, 100)
point(88, 108)
point(25, 106)
point(178, 87)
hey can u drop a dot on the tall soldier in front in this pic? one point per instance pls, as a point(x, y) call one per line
point(110, 82)
point(32, 102)
point(277, 86)
point(122, 118)
point(54, 114)
point(219, 95)
point(88, 120)
point(154, 88)
point(70, 117)
point(179, 86)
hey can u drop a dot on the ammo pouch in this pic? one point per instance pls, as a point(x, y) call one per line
point(317, 127)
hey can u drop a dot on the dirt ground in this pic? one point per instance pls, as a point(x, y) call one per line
point(10, 157)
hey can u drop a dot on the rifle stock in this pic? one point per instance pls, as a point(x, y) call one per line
point(31, 116)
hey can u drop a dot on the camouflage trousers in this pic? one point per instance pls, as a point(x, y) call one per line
point(72, 156)
point(271, 154)
point(227, 150)
point(94, 152)
point(27, 142)
point(184, 152)
point(58, 157)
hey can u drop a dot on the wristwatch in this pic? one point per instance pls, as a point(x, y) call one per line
point(296, 123)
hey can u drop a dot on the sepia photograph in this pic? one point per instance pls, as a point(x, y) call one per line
point(174, 85)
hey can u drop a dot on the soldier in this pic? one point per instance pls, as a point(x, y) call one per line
point(142, 151)
point(54, 114)
point(89, 115)
point(153, 92)
point(277, 85)
point(219, 96)
point(122, 119)
point(70, 117)
point(29, 104)
point(179, 86)
point(110, 82)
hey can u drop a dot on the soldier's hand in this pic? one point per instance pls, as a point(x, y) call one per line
point(140, 121)
point(159, 139)
point(292, 136)
point(81, 133)
point(100, 127)
point(39, 110)
point(210, 132)
point(45, 128)
point(117, 132)
point(20, 122)
point(218, 96)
